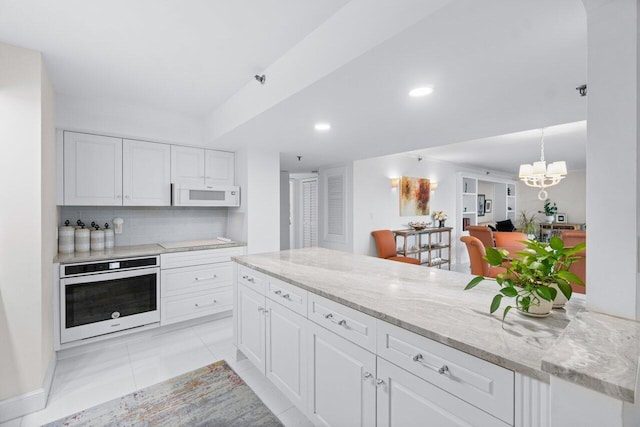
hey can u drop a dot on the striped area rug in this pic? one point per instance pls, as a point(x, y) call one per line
point(211, 396)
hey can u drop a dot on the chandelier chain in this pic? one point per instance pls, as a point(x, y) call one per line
point(542, 144)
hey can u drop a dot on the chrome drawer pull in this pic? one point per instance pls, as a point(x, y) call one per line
point(379, 381)
point(367, 375)
point(251, 279)
point(286, 296)
point(442, 370)
point(206, 305)
point(278, 292)
point(337, 322)
point(245, 277)
point(260, 309)
point(207, 278)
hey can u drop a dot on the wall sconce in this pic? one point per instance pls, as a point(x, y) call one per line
point(395, 183)
point(433, 185)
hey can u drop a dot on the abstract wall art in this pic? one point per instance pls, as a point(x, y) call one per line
point(414, 196)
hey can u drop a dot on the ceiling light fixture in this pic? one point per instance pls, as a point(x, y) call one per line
point(540, 175)
point(322, 127)
point(420, 91)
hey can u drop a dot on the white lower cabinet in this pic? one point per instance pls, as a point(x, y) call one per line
point(406, 400)
point(342, 381)
point(251, 326)
point(196, 284)
point(345, 368)
point(273, 338)
point(286, 352)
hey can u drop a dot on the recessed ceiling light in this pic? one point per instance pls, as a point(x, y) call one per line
point(421, 91)
point(322, 127)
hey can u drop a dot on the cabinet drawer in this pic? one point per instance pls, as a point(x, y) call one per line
point(177, 309)
point(178, 281)
point(189, 258)
point(252, 279)
point(403, 399)
point(288, 295)
point(474, 380)
point(344, 321)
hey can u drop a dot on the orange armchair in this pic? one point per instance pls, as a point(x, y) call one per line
point(386, 245)
point(579, 267)
point(482, 233)
point(511, 241)
point(479, 266)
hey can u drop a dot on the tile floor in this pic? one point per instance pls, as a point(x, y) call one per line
point(88, 379)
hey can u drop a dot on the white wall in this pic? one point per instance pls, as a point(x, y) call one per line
point(613, 157)
point(257, 221)
point(49, 213)
point(27, 222)
point(570, 196)
point(128, 120)
point(285, 238)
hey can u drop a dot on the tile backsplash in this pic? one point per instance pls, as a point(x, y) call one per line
point(153, 224)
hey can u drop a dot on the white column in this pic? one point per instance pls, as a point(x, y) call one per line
point(612, 156)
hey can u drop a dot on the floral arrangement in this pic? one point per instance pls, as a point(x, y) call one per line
point(439, 215)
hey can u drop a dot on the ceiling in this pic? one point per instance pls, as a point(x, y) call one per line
point(497, 67)
point(188, 56)
point(505, 153)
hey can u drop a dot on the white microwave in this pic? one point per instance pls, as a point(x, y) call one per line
point(205, 195)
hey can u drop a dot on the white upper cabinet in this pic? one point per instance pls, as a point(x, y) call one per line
point(102, 170)
point(187, 165)
point(197, 166)
point(92, 169)
point(219, 167)
point(146, 173)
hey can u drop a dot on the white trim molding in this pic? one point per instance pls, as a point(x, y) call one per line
point(29, 402)
point(532, 402)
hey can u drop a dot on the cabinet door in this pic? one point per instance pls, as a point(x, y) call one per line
point(286, 352)
point(342, 389)
point(187, 165)
point(92, 169)
point(220, 167)
point(406, 400)
point(146, 173)
point(251, 326)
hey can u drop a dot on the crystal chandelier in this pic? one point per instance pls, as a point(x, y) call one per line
point(540, 175)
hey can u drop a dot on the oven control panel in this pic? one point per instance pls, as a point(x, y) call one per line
point(70, 270)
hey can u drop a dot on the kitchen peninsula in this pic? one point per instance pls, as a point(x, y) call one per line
point(402, 320)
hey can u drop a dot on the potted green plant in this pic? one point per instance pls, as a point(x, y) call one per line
point(527, 224)
point(549, 211)
point(535, 278)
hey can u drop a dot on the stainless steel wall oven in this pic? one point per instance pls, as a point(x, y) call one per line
point(98, 298)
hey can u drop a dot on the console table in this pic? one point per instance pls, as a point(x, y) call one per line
point(554, 229)
point(437, 245)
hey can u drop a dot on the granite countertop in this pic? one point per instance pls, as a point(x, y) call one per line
point(134, 251)
point(432, 303)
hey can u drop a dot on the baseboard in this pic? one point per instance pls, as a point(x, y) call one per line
point(29, 402)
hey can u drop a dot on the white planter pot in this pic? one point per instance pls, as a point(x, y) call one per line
point(550, 218)
point(560, 299)
point(542, 309)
